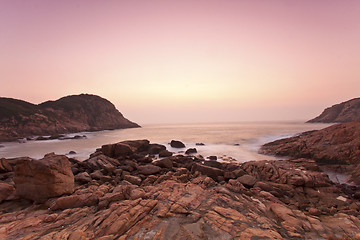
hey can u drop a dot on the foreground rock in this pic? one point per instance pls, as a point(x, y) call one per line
point(341, 113)
point(39, 180)
point(179, 197)
point(76, 113)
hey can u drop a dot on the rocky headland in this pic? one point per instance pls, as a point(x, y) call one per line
point(337, 148)
point(340, 113)
point(124, 191)
point(71, 114)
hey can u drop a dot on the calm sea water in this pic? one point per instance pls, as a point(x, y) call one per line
point(240, 141)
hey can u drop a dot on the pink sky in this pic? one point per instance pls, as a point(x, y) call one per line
point(184, 61)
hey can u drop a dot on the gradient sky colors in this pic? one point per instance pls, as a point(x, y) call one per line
point(184, 61)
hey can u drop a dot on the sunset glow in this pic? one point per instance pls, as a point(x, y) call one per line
point(184, 61)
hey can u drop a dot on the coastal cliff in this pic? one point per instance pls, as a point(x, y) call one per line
point(75, 113)
point(335, 144)
point(336, 147)
point(343, 112)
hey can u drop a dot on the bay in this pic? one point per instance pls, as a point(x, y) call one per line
point(239, 141)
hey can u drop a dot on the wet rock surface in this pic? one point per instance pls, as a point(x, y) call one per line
point(127, 196)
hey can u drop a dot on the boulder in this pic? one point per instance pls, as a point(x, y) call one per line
point(125, 148)
point(39, 180)
point(212, 172)
point(165, 153)
point(164, 163)
point(100, 162)
point(214, 164)
point(247, 180)
point(191, 151)
point(98, 174)
point(149, 169)
point(132, 179)
point(5, 191)
point(121, 150)
point(83, 177)
point(177, 144)
point(156, 148)
point(138, 146)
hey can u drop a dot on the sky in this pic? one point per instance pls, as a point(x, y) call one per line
point(167, 61)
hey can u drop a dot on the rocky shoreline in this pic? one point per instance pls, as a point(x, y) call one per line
point(123, 191)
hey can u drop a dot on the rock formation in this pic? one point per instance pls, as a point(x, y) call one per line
point(344, 112)
point(122, 193)
point(20, 119)
point(39, 180)
point(335, 144)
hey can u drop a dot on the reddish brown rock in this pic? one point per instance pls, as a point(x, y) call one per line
point(74, 201)
point(148, 169)
point(247, 180)
point(83, 177)
point(39, 180)
point(177, 144)
point(164, 163)
point(335, 144)
point(133, 179)
point(5, 166)
point(165, 153)
point(99, 162)
point(341, 113)
point(292, 172)
point(191, 151)
point(212, 172)
point(156, 148)
point(181, 204)
point(5, 191)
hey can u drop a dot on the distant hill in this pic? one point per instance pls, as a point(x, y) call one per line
point(343, 112)
point(69, 114)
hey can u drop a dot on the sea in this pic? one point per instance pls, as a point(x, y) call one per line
point(237, 141)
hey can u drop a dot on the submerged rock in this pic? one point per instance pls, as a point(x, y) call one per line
point(177, 144)
point(191, 151)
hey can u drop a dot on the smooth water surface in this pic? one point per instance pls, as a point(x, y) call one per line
point(240, 141)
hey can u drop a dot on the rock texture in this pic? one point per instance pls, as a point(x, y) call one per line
point(338, 143)
point(76, 113)
point(344, 112)
point(131, 197)
point(39, 180)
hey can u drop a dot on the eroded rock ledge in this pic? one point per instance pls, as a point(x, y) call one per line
point(338, 145)
point(123, 192)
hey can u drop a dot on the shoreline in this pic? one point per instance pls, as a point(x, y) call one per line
point(277, 199)
point(219, 139)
